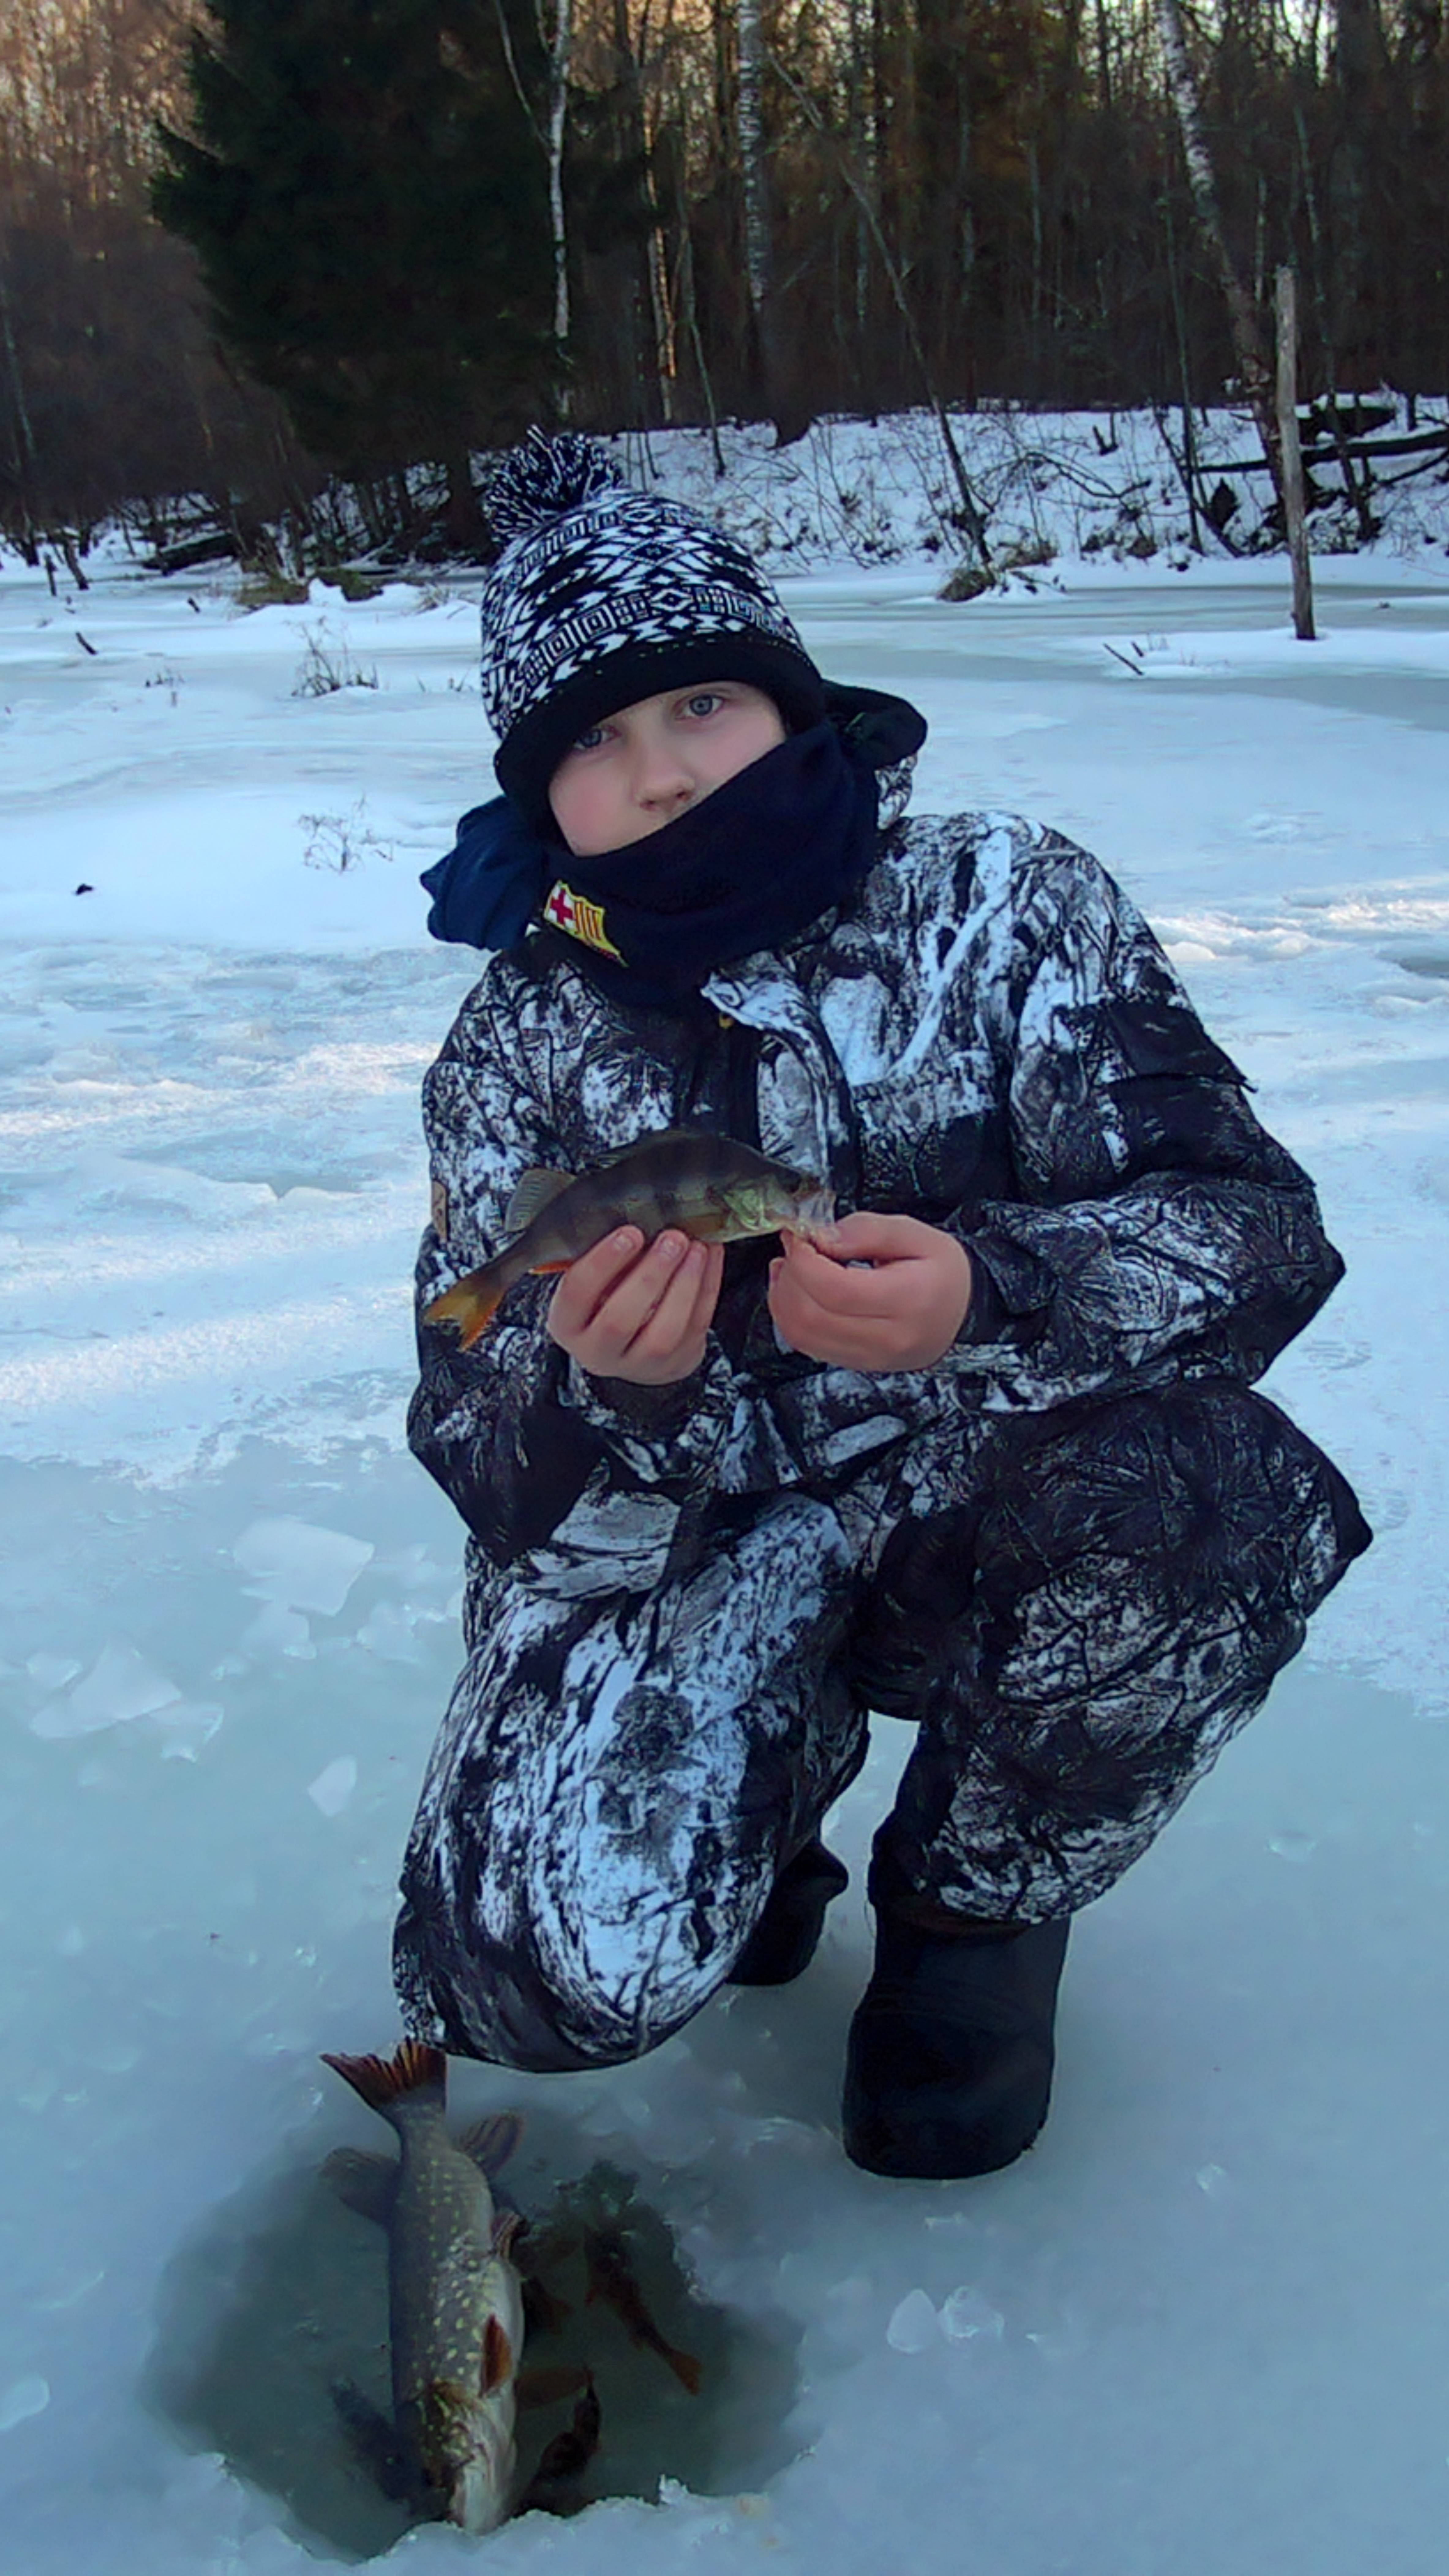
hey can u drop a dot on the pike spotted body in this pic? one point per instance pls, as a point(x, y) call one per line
point(455, 2298)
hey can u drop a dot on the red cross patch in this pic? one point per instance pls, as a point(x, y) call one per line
point(580, 918)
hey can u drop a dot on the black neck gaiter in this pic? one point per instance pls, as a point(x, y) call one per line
point(749, 867)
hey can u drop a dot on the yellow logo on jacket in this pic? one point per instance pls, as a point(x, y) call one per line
point(580, 918)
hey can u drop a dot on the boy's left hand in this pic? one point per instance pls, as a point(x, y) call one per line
point(904, 1312)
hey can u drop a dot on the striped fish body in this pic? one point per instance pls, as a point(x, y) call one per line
point(711, 1188)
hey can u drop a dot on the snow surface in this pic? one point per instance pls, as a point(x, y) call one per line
point(1205, 2324)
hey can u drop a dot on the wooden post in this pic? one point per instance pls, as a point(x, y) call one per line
point(1303, 626)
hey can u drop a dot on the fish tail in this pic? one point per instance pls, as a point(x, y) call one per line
point(471, 1305)
point(685, 2367)
point(413, 2071)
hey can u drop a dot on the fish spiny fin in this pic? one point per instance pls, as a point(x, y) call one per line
point(532, 1196)
point(491, 2142)
point(658, 1136)
point(497, 2359)
point(365, 2183)
point(381, 2081)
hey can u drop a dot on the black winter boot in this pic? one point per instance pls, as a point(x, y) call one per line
point(948, 2067)
point(782, 1943)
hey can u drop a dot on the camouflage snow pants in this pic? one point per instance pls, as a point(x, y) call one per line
point(1077, 1616)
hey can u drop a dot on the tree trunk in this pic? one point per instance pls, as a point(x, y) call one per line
point(560, 55)
point(751, 145)
point(27, 462)
point(1248, 344)
point(462, 519)
point(1297, 532)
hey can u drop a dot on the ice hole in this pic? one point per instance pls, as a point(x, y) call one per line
point(282, 2294)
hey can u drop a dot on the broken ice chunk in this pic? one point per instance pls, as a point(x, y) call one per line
point(22, 2399)
point(1292, 1845)
point(967, 2313)
point(276, 1630)
point(119, 1686)
point(390, 1632)
point(186, 1726)
point(333, 1787)
point(913, 2324)
point(302, 1564)
point(52, 1671)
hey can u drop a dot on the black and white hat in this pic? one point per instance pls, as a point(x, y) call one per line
point(603, 595)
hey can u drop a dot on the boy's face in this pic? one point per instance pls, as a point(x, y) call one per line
point(633, 772)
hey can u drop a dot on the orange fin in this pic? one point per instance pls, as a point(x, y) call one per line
point(685, 2368)
point(471, 1305)
point(381, 2081)
point(491, 2142)
point(497, 2363)
point(548, 1269)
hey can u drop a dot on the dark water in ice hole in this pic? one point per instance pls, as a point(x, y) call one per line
point(283, 2292)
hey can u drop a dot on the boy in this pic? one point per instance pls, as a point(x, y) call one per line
point(989, 1462)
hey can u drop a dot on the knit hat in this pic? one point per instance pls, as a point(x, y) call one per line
point(603, 595)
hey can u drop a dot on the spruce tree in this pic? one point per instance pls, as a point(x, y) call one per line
point(370, 208)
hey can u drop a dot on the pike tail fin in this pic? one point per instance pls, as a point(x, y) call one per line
point(471, 1305)
point(414, 2072)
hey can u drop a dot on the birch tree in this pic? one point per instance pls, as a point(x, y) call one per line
point(1249, 347)
point(558, 45)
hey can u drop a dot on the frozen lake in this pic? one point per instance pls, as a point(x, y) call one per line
point(1205, 2324)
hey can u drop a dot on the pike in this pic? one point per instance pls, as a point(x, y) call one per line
point(711, 1188)
point(455, 2298)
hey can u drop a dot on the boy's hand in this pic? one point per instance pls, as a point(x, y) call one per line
point(904, 1312)
point(638, 1310)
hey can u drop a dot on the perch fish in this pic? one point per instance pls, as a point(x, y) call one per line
point(710, 1187)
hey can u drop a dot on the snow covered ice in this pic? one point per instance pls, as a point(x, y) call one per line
point(1205, 2324)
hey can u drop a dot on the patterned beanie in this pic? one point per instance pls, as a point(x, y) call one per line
point(603, 595)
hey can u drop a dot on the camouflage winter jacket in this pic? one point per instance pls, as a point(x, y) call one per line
point(987, 1037)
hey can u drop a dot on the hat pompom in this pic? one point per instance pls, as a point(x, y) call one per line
point(544, 477)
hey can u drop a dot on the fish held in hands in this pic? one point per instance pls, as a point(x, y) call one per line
point(709, 1187)
point(454, 2295)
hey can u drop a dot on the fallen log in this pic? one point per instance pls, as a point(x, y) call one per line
point(191, 551)
point(1425, 444)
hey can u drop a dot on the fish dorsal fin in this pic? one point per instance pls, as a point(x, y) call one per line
point(491, 2142)
point(365, 2183)
point(534, 1192)
point(656, 1136)
point(415, 2069)
point(497, 2358)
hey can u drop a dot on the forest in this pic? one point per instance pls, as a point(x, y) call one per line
point(254, 249)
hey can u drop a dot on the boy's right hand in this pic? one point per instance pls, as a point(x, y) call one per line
point(638, 1310)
